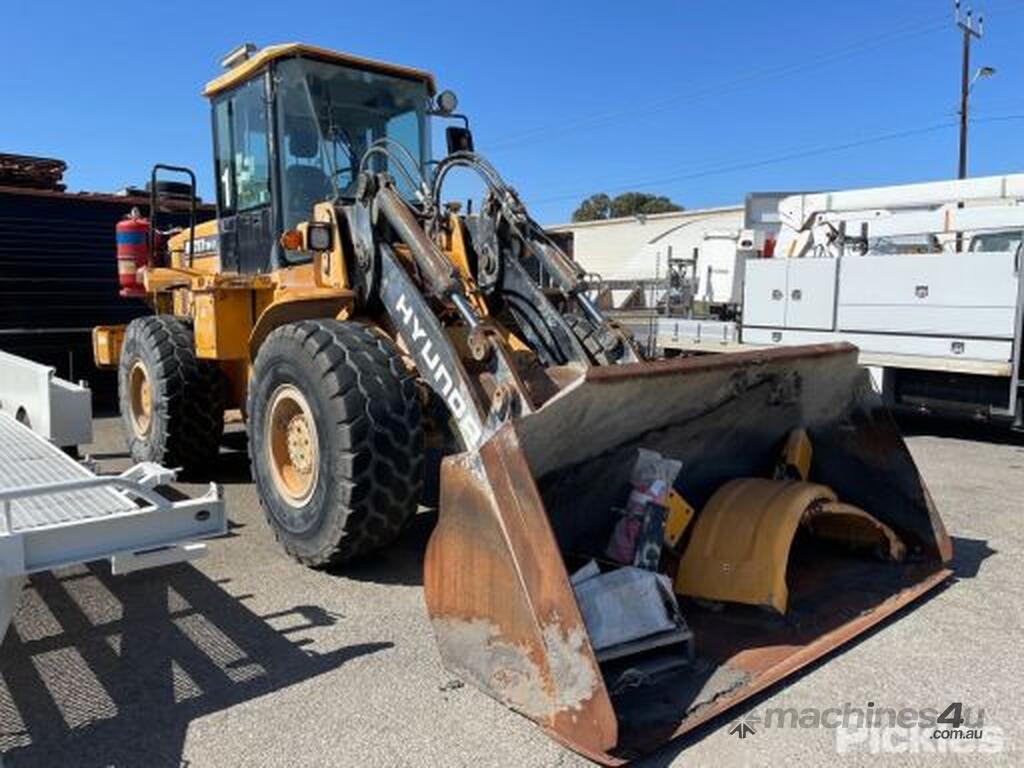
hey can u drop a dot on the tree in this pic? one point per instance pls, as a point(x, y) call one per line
point(632, 203)
point(600, 206)
point(593, 208)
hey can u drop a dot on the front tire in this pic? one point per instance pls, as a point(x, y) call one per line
point(172, 403)
point(335, 439)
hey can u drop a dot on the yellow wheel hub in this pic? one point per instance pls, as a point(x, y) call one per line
point(141, 398)
point(292, 448)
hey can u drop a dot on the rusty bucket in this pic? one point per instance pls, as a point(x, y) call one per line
point(519, 514)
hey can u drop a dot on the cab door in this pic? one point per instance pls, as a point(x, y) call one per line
point(241, 125)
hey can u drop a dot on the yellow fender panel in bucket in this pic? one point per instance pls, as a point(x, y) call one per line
point(740, 546)
point(741, 541)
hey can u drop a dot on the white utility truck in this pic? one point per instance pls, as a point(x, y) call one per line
point(924, 278)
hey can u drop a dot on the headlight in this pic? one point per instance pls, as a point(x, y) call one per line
point(318, 237)
point(447, 102)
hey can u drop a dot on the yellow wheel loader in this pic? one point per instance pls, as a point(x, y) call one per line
point(361, 323)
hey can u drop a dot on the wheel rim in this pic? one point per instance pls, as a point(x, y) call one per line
point(293, 452)
point(141, 397)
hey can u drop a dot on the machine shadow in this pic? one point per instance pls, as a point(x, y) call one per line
point(968, 555)
point(400, 562)
point(109, 671)
point(915, 424)
point(231, 466)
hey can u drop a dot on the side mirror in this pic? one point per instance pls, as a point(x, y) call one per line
point(459, 139)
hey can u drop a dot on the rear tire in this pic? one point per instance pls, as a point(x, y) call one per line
point(335, 439)
point(172, 403)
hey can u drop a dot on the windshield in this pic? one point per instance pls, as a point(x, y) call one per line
point(328, 115)
point(997, 241)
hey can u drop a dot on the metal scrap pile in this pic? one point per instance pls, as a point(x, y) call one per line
point(627, 593)
point(32, 172)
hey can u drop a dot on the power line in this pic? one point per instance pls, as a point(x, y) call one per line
point(721, 169)
point(733, 167)
point(996, 118)
point(714, 89)
point(737, 83)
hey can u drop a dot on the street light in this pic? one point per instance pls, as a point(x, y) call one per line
point(982, 72)
point(966, 89)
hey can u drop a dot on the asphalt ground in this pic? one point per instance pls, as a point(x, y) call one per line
point(244, 658)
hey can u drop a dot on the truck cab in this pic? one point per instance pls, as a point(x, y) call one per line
point(291, 128)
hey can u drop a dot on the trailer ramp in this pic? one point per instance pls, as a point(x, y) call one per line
point(56, 512)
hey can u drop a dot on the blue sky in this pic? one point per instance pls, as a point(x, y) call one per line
point(699, 101)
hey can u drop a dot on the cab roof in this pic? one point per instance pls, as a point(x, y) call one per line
point(264, 56)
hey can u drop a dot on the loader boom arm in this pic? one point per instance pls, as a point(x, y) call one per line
point(515, 235)
point(477, 412)
point(481, 401)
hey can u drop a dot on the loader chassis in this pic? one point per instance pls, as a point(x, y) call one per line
point(356, 320)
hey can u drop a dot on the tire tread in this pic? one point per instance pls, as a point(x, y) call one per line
point(378, 466)
point(191, 400)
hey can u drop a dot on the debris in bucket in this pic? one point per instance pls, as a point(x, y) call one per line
point(630, 678)
point(645, 672)
point(680, 513)
point(628, 610)
point(740, 548)
point(651, 538)
point(640, 532)
point(586, 572)
point(795, 459)
point(622, 544)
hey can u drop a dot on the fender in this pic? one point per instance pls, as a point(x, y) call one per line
point(293, 309)
point(740, 547)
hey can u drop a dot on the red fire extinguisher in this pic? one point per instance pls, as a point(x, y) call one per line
point(133, 253)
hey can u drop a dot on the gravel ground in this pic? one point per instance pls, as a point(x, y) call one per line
point(246, 659)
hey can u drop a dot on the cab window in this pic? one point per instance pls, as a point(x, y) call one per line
point(329, 114)
point(242, 157)
point(222, 158)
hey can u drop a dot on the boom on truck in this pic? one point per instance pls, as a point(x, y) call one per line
point(924, 278)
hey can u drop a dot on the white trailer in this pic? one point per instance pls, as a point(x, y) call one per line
point(924, 278)
point(55, 512)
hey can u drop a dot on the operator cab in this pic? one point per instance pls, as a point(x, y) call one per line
point(291, 128)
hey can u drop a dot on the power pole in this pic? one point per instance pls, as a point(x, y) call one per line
point(970, 32)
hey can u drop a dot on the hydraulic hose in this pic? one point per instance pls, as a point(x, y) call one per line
point(442, 278)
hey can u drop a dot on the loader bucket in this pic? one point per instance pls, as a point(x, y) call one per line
point(535, 502)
